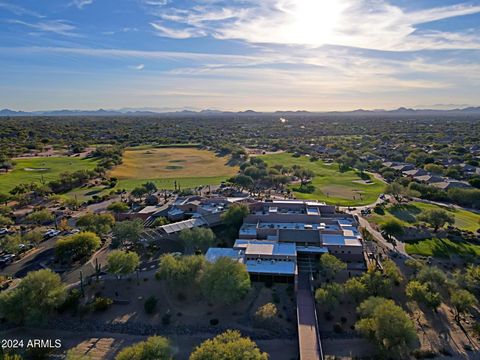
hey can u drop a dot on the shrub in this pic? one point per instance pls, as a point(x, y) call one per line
point(102, 303)
point(266, 314)
point(150, 304)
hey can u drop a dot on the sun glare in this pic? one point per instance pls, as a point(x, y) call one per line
point(311, 22)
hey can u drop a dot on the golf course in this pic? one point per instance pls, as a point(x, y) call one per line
point(189, 167)
point(406, 215)
point(42, 169)
point(331, 185)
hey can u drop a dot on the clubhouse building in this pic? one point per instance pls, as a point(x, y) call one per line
point(280, 238)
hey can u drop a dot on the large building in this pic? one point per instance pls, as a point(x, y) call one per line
point(279, 238)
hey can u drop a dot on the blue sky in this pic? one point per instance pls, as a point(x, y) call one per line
point(239, 54)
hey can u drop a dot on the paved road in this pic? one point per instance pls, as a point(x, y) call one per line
point(32, 260)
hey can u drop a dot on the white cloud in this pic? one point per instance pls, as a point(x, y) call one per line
point(138, 67)
point(81, 3)
point(184, 33)
point(369, 24)
point(55, 26)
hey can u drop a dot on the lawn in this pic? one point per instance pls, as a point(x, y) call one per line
point(441, 248)
point(406, 215)
point(38, 169)
point(188, 166)
point(331, 185)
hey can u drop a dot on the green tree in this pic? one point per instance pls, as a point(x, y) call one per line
point(433, 276)
point(391, 270)
point(242, 181)
point(392, 228)
point(150, 187)
point(11, 243)
point(160, 221)
point(234, 215)
point(329, 296)
point(376, 283)
point(355, 288)
point(228, 346)
point(397, 190)
point(36, 296)
point(330, 265)
point(388, 326)
point(127, 232)
point(154, 348)
point(77, 247)
point(462, 301)
point(436, 218)
point(122, 262)
point(197, 239)
point(101, 224)
point(225, 281)
point(421, 293)
point(181, 271)
point(139, 192)
point(40, 217)
point(5, 220)
point(118, 207)
point(33, 237)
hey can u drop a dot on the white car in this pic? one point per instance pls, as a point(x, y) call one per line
point(51, 233)
point(3, 231)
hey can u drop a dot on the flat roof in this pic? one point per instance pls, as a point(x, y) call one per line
point(213, 254)
point(340, 240)
point(266, 247)
point(271, 267)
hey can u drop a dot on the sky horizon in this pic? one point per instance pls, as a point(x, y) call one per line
point(239, 54)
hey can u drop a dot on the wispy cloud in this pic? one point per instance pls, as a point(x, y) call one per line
point(138, 67)
point(184, 33)
point(56, 26)
point(365, 24)
point(18, 10)
point(81, 3)
point(60, 27)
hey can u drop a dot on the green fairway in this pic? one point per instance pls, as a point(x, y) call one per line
point(441, 248)
point(331, 185)
point(406, 215)
point(40, 169)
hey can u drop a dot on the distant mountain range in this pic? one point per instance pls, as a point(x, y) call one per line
point(170, 111)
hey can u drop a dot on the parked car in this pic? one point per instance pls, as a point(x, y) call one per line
point(51, 233)
point(6, 259)
point(3, 231)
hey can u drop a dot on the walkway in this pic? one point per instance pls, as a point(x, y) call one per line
point(309, 343)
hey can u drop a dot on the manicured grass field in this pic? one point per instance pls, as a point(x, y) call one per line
point(40, 169)
point(441, 248)
point(406, 215)
point(189, 166)
point(331, 185)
